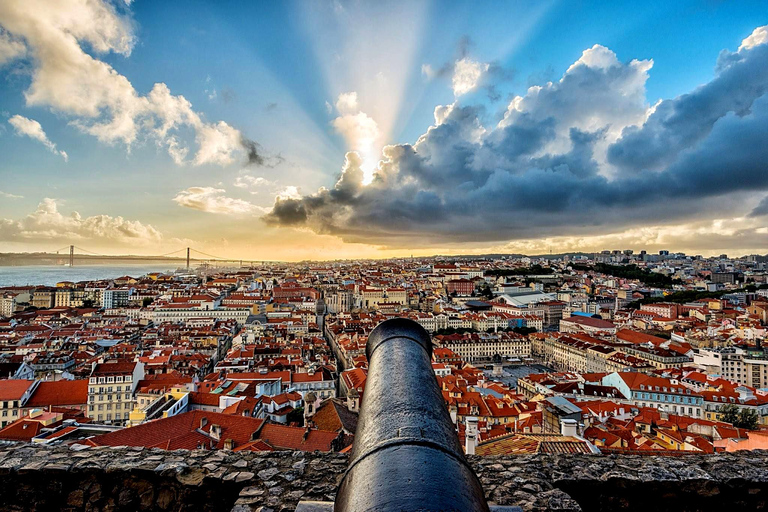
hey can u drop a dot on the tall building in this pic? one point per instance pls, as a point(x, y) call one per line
point(110, 391)
point(116, 298)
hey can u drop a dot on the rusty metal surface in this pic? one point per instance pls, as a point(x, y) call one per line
point(406, 456)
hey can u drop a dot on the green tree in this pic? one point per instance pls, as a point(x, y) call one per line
point(147, 301)
point(296, 416)
point(729, 413)
point(741, 418)
point(485, 291)
point(748, 419)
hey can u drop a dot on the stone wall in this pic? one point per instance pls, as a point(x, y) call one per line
point(117, 479)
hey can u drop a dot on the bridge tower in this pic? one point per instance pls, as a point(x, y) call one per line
point(71, 255)
point(187, 258)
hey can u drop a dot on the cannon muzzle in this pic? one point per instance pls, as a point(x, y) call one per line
point(406, 455)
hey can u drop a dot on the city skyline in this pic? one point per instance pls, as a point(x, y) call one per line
point(342, 130)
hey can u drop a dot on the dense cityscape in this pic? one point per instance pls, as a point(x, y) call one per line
point(383, 256)
point(616, 352)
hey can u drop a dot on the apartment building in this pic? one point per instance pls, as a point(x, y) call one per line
point(111, 389)
point(661, 393)
point(185, 314)
point(116, 298)
point(14, 394)
point(473, 347)
point(745, 367)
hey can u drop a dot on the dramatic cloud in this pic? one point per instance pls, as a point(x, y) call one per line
point(32, 129)
point(359, 130)
point(584, 155)
point(72, 81)
point(47, 223)
point(680, 124)
point(213, 200)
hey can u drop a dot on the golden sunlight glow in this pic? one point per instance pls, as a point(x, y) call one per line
point(374, 55)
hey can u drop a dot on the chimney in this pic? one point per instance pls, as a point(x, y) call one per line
point(569, 427)
point(353, 400)
point(215, 432)
point(470, 435)
point(229, 444)
point(306, 434)
point(454, 412)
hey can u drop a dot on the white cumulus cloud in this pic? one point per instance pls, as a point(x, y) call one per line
point(34, 130)
point(214, 200)
point(101, 101)
point(47, 223)
point(757, 37)
point(467, 75)
point(360, 131)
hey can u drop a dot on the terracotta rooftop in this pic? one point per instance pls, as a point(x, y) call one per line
point(58, 393)
point(512, 444)
point(185, 431)
point(13, 389)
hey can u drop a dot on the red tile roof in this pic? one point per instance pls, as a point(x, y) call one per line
point(297, 438)
point(13, 389)
point(184, 431)
point(62, 392)
point(114, 368)
point(21, 430)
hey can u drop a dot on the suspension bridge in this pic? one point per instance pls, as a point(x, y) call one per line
point(188, 254)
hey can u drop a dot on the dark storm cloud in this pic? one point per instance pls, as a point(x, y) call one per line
point(761, 209)
point(681, 123)
point(539, 172)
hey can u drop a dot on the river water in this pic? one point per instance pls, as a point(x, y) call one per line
point(50, 275)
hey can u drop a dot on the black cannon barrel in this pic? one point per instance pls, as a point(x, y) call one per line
point(406, 455)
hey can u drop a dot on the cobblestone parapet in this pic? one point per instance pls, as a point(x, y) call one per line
point(117, 479)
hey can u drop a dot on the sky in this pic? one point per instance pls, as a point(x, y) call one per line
point(327, 130)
